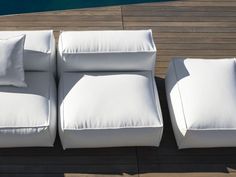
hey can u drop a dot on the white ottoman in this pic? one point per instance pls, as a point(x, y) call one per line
point(201, 96)
point(107, 92)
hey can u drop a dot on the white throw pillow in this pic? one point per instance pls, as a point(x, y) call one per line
point(11, 61)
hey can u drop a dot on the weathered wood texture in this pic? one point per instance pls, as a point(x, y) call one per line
point(193, 28)
point(186, 28)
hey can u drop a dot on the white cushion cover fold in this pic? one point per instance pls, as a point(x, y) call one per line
point(106, 51)
point(39, 49)
point(109, 109)
point(5, 56)
point(28, 115)
point(11, 61)
point(201, 96)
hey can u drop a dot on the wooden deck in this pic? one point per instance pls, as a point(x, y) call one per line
point(188, 28)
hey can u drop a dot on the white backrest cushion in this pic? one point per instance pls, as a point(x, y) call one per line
point(106, 51)
point(39, 49)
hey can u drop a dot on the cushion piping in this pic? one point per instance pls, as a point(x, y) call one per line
point(107, 52)
point(177, 83)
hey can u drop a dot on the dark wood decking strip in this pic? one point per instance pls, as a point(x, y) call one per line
point(186, 28)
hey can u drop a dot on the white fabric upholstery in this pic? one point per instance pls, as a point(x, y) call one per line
point(109, 109)
point(108, 95)
point(106, 51)
point(28, 115)
point(201, 97)
point(11, 61)
point(39, 49)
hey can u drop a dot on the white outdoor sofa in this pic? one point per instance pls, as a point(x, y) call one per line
point(107, 92)
point(108, 95)
point(28, 114)
point(201, 95)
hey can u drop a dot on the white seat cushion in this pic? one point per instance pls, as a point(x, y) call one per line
point(28, 115)
point(109, 109)
point(202, 102)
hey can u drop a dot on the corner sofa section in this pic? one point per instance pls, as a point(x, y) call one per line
point(28, 114)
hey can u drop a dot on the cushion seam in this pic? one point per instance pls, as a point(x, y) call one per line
point(61, 63)
point(39, 126)
point(49, 62)
point(155, 98)
point(49, 106)
point(112, 128)
point(63, 109)
point(107, 52)
point(177, 83)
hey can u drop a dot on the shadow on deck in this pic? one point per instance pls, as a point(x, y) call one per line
point(192, 28)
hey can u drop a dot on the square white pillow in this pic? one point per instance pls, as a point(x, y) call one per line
point(11, 61)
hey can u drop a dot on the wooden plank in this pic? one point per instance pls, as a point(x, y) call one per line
point(52, 169)
point(98, 175)
point(57, 151)
point(179, 158)
point(67, 160)
point(179, 13)
point(183, 29)
point(191, 46)
point(59, 18)
point(64, 24)
point(194, 40)
point(81, 28)
point(181, 8)
point(167, 59)
point(184, 174)
point(115, 10)
point(180, 24)
point(178, 19)
point(183, 168)
point(33, 175)
point(195, 35)
point(192, 3)
point(197, 52)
